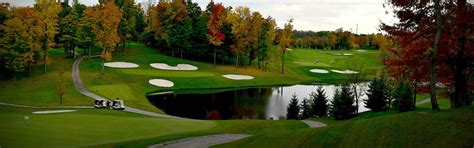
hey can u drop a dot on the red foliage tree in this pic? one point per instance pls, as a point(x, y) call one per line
point(214, 25)
point(415, 35)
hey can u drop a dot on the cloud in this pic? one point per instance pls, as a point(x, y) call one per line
point(316, 15)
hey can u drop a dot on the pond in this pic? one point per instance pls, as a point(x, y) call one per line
point(243, 103)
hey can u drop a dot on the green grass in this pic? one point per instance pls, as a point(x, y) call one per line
point(134, 82)
point(85, 127)
point(447, 128)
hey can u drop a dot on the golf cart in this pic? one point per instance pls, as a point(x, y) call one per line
point(100, 104)
point(118, 105)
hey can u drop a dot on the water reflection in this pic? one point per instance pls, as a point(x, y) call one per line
point(248, 103)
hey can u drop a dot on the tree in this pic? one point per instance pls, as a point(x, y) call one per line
point(305, 109)
point(319, 103)
point(214, 26)
point(449, 60)
point(104, 24)
point(178, 27)
point(403, 96)
point(254, 36)
point(377, 95)
point(343, 104)
point(284, 41)
point(240, 30)
point(61, 91)
point(48, 21)
point(68, 31)
point(266, 38)
point(293, 109)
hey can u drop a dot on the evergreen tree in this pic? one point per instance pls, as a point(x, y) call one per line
point(343, 104)
point(377, 95)
point(293, 109)
point(319, 103)
point(305, 109)
point(403, 96)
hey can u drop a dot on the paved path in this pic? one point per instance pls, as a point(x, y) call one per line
point(313, 124)
point(202, 141)
point(27, 106)
point(76, 78)
point(428, 100)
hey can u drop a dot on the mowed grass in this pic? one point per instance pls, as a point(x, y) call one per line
point(422, 128)
point(133, 83)
point(85, 127)
point(40, 89)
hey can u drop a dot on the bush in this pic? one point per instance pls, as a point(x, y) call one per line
point(319, 104)
point(305, 109)
point(343, 104)
point(403, 96)
point(377, 95)
point(293, 109)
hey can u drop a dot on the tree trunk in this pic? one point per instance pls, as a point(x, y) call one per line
point(415, 88)
point(61, 100)
point(89, 50)
point(172, 52)
point(181, 53)
point(237, 61)
point(282, 62)
point(215, 55)
point(44, 60)
point(434, 103)
point(103, 66)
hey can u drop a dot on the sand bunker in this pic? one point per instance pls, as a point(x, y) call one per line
point(164, 66)
point(362, 50)
point(319, 71)
point(120, 65)
point(53, 111)
point(161, 83)
point(345, 71)
point(347, 54)
point(237, 77)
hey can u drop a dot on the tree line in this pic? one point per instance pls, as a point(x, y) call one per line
point(340, 39)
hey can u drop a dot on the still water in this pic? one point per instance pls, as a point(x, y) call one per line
point(246, 103)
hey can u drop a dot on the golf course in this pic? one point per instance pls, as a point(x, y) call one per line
point(118, 74)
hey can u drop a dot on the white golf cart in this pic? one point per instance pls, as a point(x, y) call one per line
point(118, 105)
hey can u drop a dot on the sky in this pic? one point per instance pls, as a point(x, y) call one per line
point(315, 15)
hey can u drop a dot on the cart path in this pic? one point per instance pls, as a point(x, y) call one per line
point(428, 100)
point(201, 141)
point(76, 78)
point(313, 124)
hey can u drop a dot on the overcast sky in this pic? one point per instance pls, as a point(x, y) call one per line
point(316, 15)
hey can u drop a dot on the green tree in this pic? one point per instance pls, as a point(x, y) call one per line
point(293, 109)
point(403, 96)
point(305, 109)
point(319, 103)
point(266, 39)
point(240, 31)
point(343, 104)
point(377, 95)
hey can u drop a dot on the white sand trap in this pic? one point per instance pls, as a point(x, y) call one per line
point(53, 111)
point(237, 77)
point(289, 49)
point(164, 66)
point(319, 71)
point(161, 83)
point(347, 54)
point(362, 50)
point(345, 71)
point(121, 65)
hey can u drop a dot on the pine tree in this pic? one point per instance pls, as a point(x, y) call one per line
point(343, 104)
point(319, 103)
point(305, 109)
point(293, 109)
point(403, 96)
point(377, 95)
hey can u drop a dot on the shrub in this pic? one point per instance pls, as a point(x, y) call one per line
point(403, 96)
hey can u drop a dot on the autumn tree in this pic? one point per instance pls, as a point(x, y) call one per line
point(61, 90)
point(265, 41)
point(446, 55)
point(284, 41)
point(240, 31)
point(48, 21)
point(178, 27)
point(104, 24)
point(214, 26)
